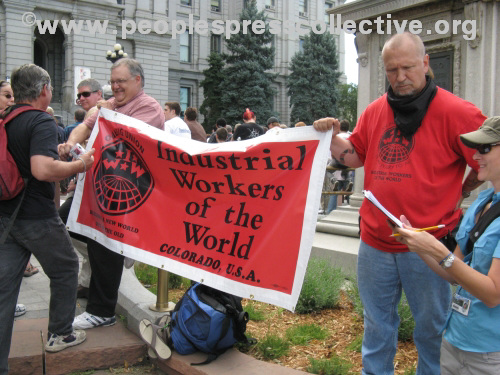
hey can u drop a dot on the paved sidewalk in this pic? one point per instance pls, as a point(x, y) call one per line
point(117, 347)
point(109, 347)
point(35, 294)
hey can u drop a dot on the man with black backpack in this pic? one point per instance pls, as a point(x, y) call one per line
point(31, 219)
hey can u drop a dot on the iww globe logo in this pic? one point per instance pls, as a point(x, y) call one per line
point(122, 180)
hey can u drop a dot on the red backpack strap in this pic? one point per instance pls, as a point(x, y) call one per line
point(11, 113)
point(5, 117)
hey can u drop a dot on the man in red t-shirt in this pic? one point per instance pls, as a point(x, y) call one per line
point(408, 142)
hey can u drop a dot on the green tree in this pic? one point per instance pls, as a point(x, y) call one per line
point(212, 107)
point(314, 79)
point(247, 80)
point(348, 103)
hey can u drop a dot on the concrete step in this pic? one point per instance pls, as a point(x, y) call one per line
point(116, 346)
point(230, 363)
point(104, 347)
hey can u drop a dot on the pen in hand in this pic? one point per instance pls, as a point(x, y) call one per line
point(422, 229)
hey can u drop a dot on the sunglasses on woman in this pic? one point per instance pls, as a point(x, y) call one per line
point(484, 149)
point(85, 94)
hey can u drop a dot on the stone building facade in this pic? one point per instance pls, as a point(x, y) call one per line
point(173, 63)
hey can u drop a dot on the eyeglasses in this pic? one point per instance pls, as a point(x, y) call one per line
point(484, 149)
point(120, 81)
point(85, 94)
point(8, 96)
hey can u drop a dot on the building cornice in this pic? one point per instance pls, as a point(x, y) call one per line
point(368, 9)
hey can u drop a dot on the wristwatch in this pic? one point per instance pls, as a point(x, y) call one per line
point(448, 261)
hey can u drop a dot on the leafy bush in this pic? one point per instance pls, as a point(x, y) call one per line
point(255, 314)
point(333, 366)
point(355, 346)
point(321, 287)
point(410, 371)
point(406, 321)
point(302, 334)
point(148, 276)
point(273, 346)
point(177, 282)
point(352, 291)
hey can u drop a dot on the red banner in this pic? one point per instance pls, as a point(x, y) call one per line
point(238, 216)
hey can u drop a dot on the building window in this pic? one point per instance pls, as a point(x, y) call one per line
point(215, 5)
point(270, 4)
point(185, 41)
point(328, 5)
point(215, 43)
point(301, 45)
point(246, 4)
point(186, 2)
point(185, 98)
point(303, 8)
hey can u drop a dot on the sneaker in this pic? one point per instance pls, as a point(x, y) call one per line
point(20, 310)
point(87, 321)
point(128, 262)
point(56, 343)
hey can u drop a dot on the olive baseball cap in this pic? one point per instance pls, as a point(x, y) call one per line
point(488, 133)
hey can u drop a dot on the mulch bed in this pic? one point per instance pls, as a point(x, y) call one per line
point(343, 324)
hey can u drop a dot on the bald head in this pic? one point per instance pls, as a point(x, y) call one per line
point(399, 40)
point(406, 64)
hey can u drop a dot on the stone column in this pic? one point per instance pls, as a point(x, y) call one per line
point(480, 85)
point(19, 39)
point(3, 60)
point(67, 88)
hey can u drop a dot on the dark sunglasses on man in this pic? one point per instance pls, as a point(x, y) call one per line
point(484, 149)
point(85, 94)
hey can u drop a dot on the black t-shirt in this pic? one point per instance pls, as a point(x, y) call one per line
point(212, 138)
point(247, 131)
point(32, 133)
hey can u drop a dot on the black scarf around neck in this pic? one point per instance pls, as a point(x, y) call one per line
point(409, 111)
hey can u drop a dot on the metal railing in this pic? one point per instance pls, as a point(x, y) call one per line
point(162, 302)
point(328, 186)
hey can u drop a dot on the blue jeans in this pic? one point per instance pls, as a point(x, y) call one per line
point(381, 278)
point(49, 241)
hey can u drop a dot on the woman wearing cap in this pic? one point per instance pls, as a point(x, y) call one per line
point(471, 342)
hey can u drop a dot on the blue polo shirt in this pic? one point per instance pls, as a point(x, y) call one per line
point(480, 330)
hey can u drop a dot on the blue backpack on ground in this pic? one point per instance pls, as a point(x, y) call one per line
point(207, 320)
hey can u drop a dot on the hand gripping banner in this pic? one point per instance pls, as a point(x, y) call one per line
point(237, 216)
